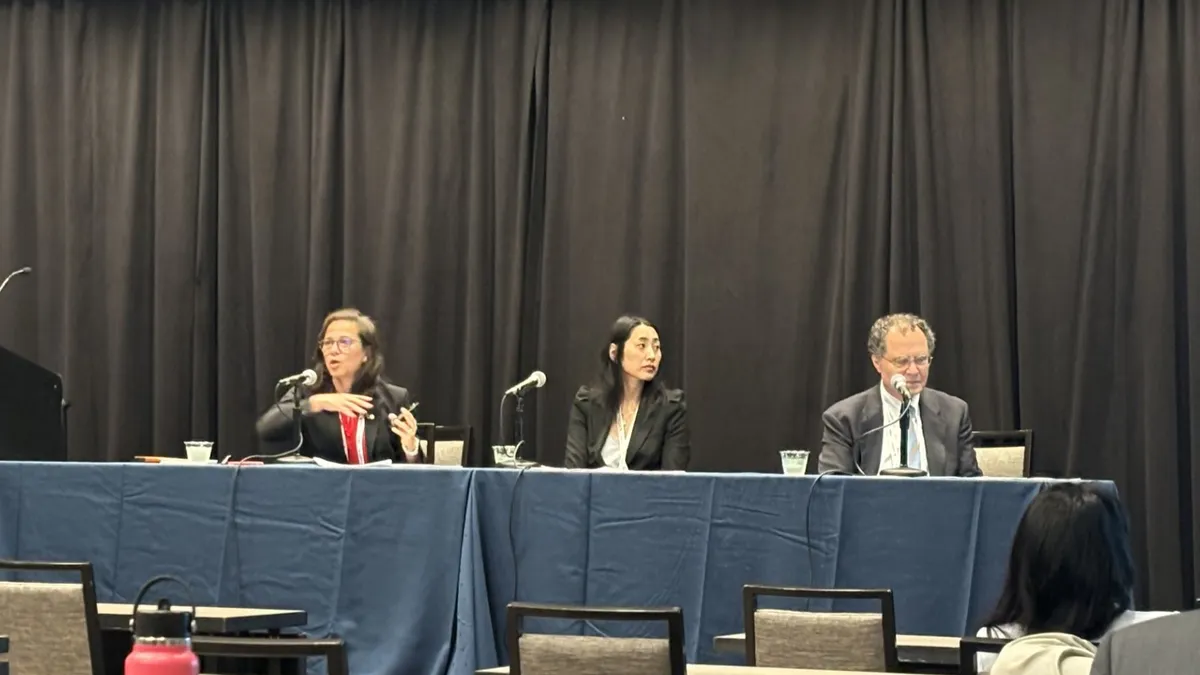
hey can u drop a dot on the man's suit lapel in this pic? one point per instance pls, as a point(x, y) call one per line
point(934, 431)
point(872, 418)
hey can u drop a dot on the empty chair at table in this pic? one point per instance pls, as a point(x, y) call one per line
point(444, 445)
point(1005, 454)
point(544, 654)
point(51, 619)
point(854, 641)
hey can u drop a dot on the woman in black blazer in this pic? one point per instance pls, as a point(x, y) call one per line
point(628, 419)
point(351, 415)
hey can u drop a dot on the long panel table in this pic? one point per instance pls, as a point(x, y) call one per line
point(694, 540)
point(414, 566)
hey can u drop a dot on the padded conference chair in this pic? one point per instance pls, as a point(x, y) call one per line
point(1005, 454)
point(541, 654)
point(862, 641)
point(450, 443)
point(53, 627)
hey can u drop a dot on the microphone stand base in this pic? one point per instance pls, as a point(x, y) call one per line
point(904, 472)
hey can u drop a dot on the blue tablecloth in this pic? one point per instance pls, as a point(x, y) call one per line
point(694, 540)
point(371, 554)
point(414, 566)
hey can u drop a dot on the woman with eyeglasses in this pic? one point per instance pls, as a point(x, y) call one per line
point(352, 415)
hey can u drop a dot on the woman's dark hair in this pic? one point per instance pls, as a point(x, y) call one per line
point(371, 372)
point(610, 382)
point(1070, 569)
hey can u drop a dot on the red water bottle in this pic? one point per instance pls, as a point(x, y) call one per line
point(162, 638)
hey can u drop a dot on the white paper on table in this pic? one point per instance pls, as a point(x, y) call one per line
point(324, 462)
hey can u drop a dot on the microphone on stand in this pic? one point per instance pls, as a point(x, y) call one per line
point(23, 270)
point(904, 470)
point(305, 379)
point(536, 380)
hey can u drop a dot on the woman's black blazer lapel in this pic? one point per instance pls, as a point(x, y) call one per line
point(643, 424)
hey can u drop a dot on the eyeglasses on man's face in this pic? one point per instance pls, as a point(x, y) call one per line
point(903, 362)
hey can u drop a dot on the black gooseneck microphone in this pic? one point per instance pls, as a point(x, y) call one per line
point(904, 470)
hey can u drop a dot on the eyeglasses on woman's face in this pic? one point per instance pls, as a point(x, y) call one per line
point(337, 345)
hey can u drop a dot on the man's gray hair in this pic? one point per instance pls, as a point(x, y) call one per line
point(877, 340)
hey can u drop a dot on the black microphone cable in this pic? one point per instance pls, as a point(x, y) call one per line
point(812, 569)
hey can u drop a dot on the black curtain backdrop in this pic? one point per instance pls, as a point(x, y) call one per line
point(198, 183)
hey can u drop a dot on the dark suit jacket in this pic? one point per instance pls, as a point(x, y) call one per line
point(1165, 646)
point(660, 434)
point(945, 420)
point(323, 430)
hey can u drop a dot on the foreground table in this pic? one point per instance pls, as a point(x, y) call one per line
point(213, 620)
point(118, 638)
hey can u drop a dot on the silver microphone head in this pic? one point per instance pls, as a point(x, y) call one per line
point(900, 384)
point(539, 378)
point(310, 377)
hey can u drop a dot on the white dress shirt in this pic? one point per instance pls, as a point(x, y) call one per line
point(890, 456)
point(613, 453)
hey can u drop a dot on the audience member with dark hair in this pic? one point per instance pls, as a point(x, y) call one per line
point(1069, 582)
point(627, 418)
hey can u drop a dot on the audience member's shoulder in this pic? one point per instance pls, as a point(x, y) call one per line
point(1186, 625)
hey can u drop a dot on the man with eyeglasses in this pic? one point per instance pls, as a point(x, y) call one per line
point(862, 435)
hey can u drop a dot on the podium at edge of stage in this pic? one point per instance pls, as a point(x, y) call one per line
point(33, 412)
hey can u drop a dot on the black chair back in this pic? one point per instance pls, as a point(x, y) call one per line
point(673, 616)
point(87, 578)
point(887, 608)
point(970, 647)
point(1004, 439)
point(333, 649)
